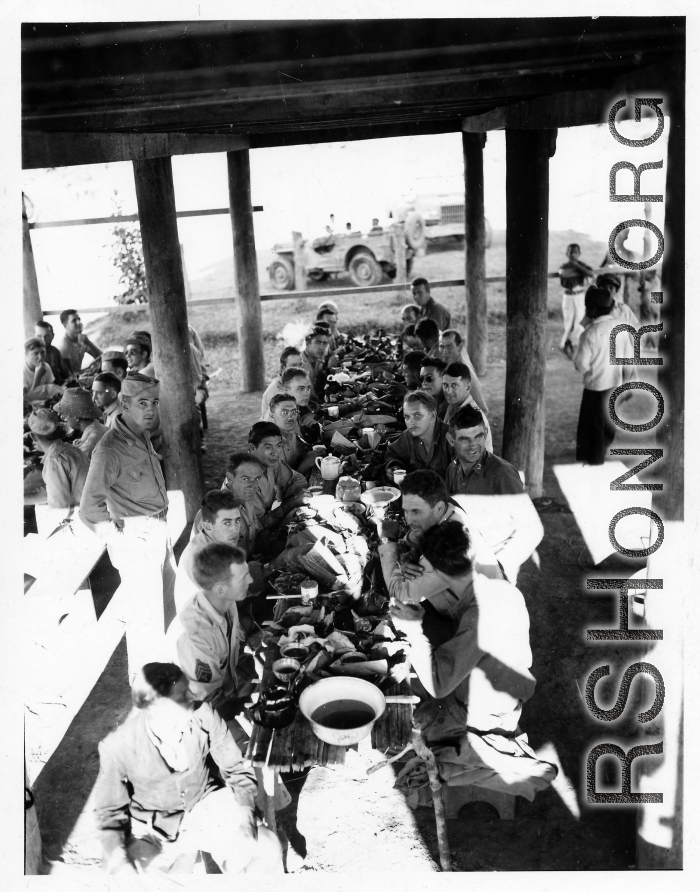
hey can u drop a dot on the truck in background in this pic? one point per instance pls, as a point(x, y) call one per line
point(433, 211)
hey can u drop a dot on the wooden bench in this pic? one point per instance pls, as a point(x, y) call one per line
point(69, 647)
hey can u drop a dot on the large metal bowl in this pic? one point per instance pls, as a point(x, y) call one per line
point(329, 689)
point(380, 496)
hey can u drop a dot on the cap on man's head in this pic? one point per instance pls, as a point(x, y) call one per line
point(43, 422)
point(113, 354)
point(134, 384)
point(76, 402)
point(609, 280)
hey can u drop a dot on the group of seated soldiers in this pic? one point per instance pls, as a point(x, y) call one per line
point(451, 578)
point(74, 406)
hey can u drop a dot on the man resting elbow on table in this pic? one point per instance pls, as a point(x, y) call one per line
point(474, 668)
point(407, 574)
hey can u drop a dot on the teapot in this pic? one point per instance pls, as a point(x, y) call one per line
point(330, 467)
point(348, 490)
point(339, 378)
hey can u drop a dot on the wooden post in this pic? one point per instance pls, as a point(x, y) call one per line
point(299, 263)
point(185, 277)
point(171, 344)
point(527, 217)
point(245, 273)
point(32, 303)
point(660, 826)
point(475, 250)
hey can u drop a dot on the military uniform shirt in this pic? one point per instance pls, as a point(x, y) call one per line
point(491, 476)
point(64, 473)
point(92, 435)
point(124, 480)
point(205, 645)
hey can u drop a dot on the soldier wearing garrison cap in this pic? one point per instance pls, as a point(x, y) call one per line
point(125, 502)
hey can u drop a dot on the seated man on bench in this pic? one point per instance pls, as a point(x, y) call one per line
point(221, 522)
point(205, 637)
point(157, 801)
point(473, 673)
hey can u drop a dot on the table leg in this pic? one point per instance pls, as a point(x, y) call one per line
point(438, 802)
point(267, 782)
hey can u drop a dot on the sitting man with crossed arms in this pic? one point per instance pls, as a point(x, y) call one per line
point(157, 800)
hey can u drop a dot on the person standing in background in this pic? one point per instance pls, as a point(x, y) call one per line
point(573, 276)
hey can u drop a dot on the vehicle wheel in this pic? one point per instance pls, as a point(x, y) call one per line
point(282, 274)
point(317, 275)
point(415, 230)
point(364, 269)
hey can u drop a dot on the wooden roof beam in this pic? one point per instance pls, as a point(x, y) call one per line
point(573, 108)
point(569, 108)
point(40, 149)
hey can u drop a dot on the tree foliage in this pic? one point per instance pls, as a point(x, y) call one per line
point(128, 258)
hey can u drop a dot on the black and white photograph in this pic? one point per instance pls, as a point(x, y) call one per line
point(358, 528)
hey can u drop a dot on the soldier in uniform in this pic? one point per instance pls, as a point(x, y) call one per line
point(125, 502)
point(64, 467)
point(157, 800)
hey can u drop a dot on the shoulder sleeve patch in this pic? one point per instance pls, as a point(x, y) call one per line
point(202, 671)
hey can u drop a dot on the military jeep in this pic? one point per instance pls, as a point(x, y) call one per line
point(366, 257)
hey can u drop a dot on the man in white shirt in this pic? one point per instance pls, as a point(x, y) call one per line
point(595, 430)
point(37, 377)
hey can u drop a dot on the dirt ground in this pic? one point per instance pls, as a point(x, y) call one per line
point(340, 819)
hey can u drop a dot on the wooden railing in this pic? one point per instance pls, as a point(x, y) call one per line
point(323, 292)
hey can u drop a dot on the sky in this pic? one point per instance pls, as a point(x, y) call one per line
point(300, 186)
